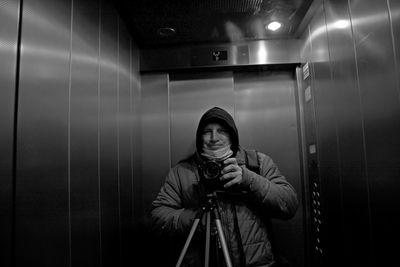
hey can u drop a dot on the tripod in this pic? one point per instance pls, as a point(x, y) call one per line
point(210, 209)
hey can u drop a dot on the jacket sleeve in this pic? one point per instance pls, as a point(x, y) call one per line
point(168, 214)
point(271, 189)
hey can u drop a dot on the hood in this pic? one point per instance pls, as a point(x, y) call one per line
point(219, 115)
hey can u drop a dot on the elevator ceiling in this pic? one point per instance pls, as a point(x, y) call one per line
point(160, 23)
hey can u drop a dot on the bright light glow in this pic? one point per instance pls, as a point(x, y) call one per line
point(262, 54)
point(273, 26)
point(341, 24)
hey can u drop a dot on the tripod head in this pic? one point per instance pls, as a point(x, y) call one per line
point(210, 202)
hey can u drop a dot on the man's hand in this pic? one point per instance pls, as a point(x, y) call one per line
point(231, 173)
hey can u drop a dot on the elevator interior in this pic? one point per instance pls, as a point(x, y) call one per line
point(96, 105)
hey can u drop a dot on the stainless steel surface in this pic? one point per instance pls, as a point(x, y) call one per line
point(42, 223)
point(136, 143)
point(345, 103)
point(380, 108)
point(108, 131)
point(89, 135)
point(156, 148)
point(74, 192)
point(394, 9)
point(125, 146)
point(154, 165)
point(135, 153)
point(84, 100)
point(283, 51)
point(190, 96)
point(352, 48)
point(266, 116)
point(9, 19)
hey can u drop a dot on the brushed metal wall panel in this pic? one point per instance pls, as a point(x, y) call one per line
point(155, 156)
point(394, 9)
point(155, 135)
point(274, 52)
point(265, 109)
point(379, 98)
point(109, 176)
point(155, 160)
point(349, 190)
point(190, 96)
point(125, 161)
point(9, 19)
point(154, 164)
point(84, 100)
point(136, 134)
point(42, 155)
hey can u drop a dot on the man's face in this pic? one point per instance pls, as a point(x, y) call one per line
point(215, 136)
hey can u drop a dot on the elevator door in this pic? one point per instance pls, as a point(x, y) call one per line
point(263, 104)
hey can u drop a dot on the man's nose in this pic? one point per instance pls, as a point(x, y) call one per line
point(214, 136)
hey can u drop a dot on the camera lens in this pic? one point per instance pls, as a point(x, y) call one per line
point(212, 170)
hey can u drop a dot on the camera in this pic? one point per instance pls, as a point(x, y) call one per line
point(210, 172)
point(212, 169)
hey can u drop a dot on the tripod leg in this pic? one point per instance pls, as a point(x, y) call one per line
point(191, 233)
point(222, 239)
point(208, 230)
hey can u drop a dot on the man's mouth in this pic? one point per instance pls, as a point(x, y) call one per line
point(214, 147)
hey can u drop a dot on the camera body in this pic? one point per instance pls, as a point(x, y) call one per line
point(212, 169)
point(210, 172)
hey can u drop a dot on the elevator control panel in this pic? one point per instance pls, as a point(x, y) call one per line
point(313, 178)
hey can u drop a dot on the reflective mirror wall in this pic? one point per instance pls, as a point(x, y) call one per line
point(92, 120)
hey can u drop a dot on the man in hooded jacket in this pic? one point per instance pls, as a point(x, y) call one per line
point(246, 199)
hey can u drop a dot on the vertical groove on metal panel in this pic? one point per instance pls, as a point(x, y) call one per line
point(169, 121)
point(131, 121)
point(99, 133)
point(69, 134)
point(393, 45)
point(15, 132)
point(118, 140)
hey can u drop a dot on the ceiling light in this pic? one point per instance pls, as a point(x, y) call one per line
point(274, 25)
point(166, 32)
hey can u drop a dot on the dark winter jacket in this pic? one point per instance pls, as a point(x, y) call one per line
point(245, 213)
point(265, 196)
